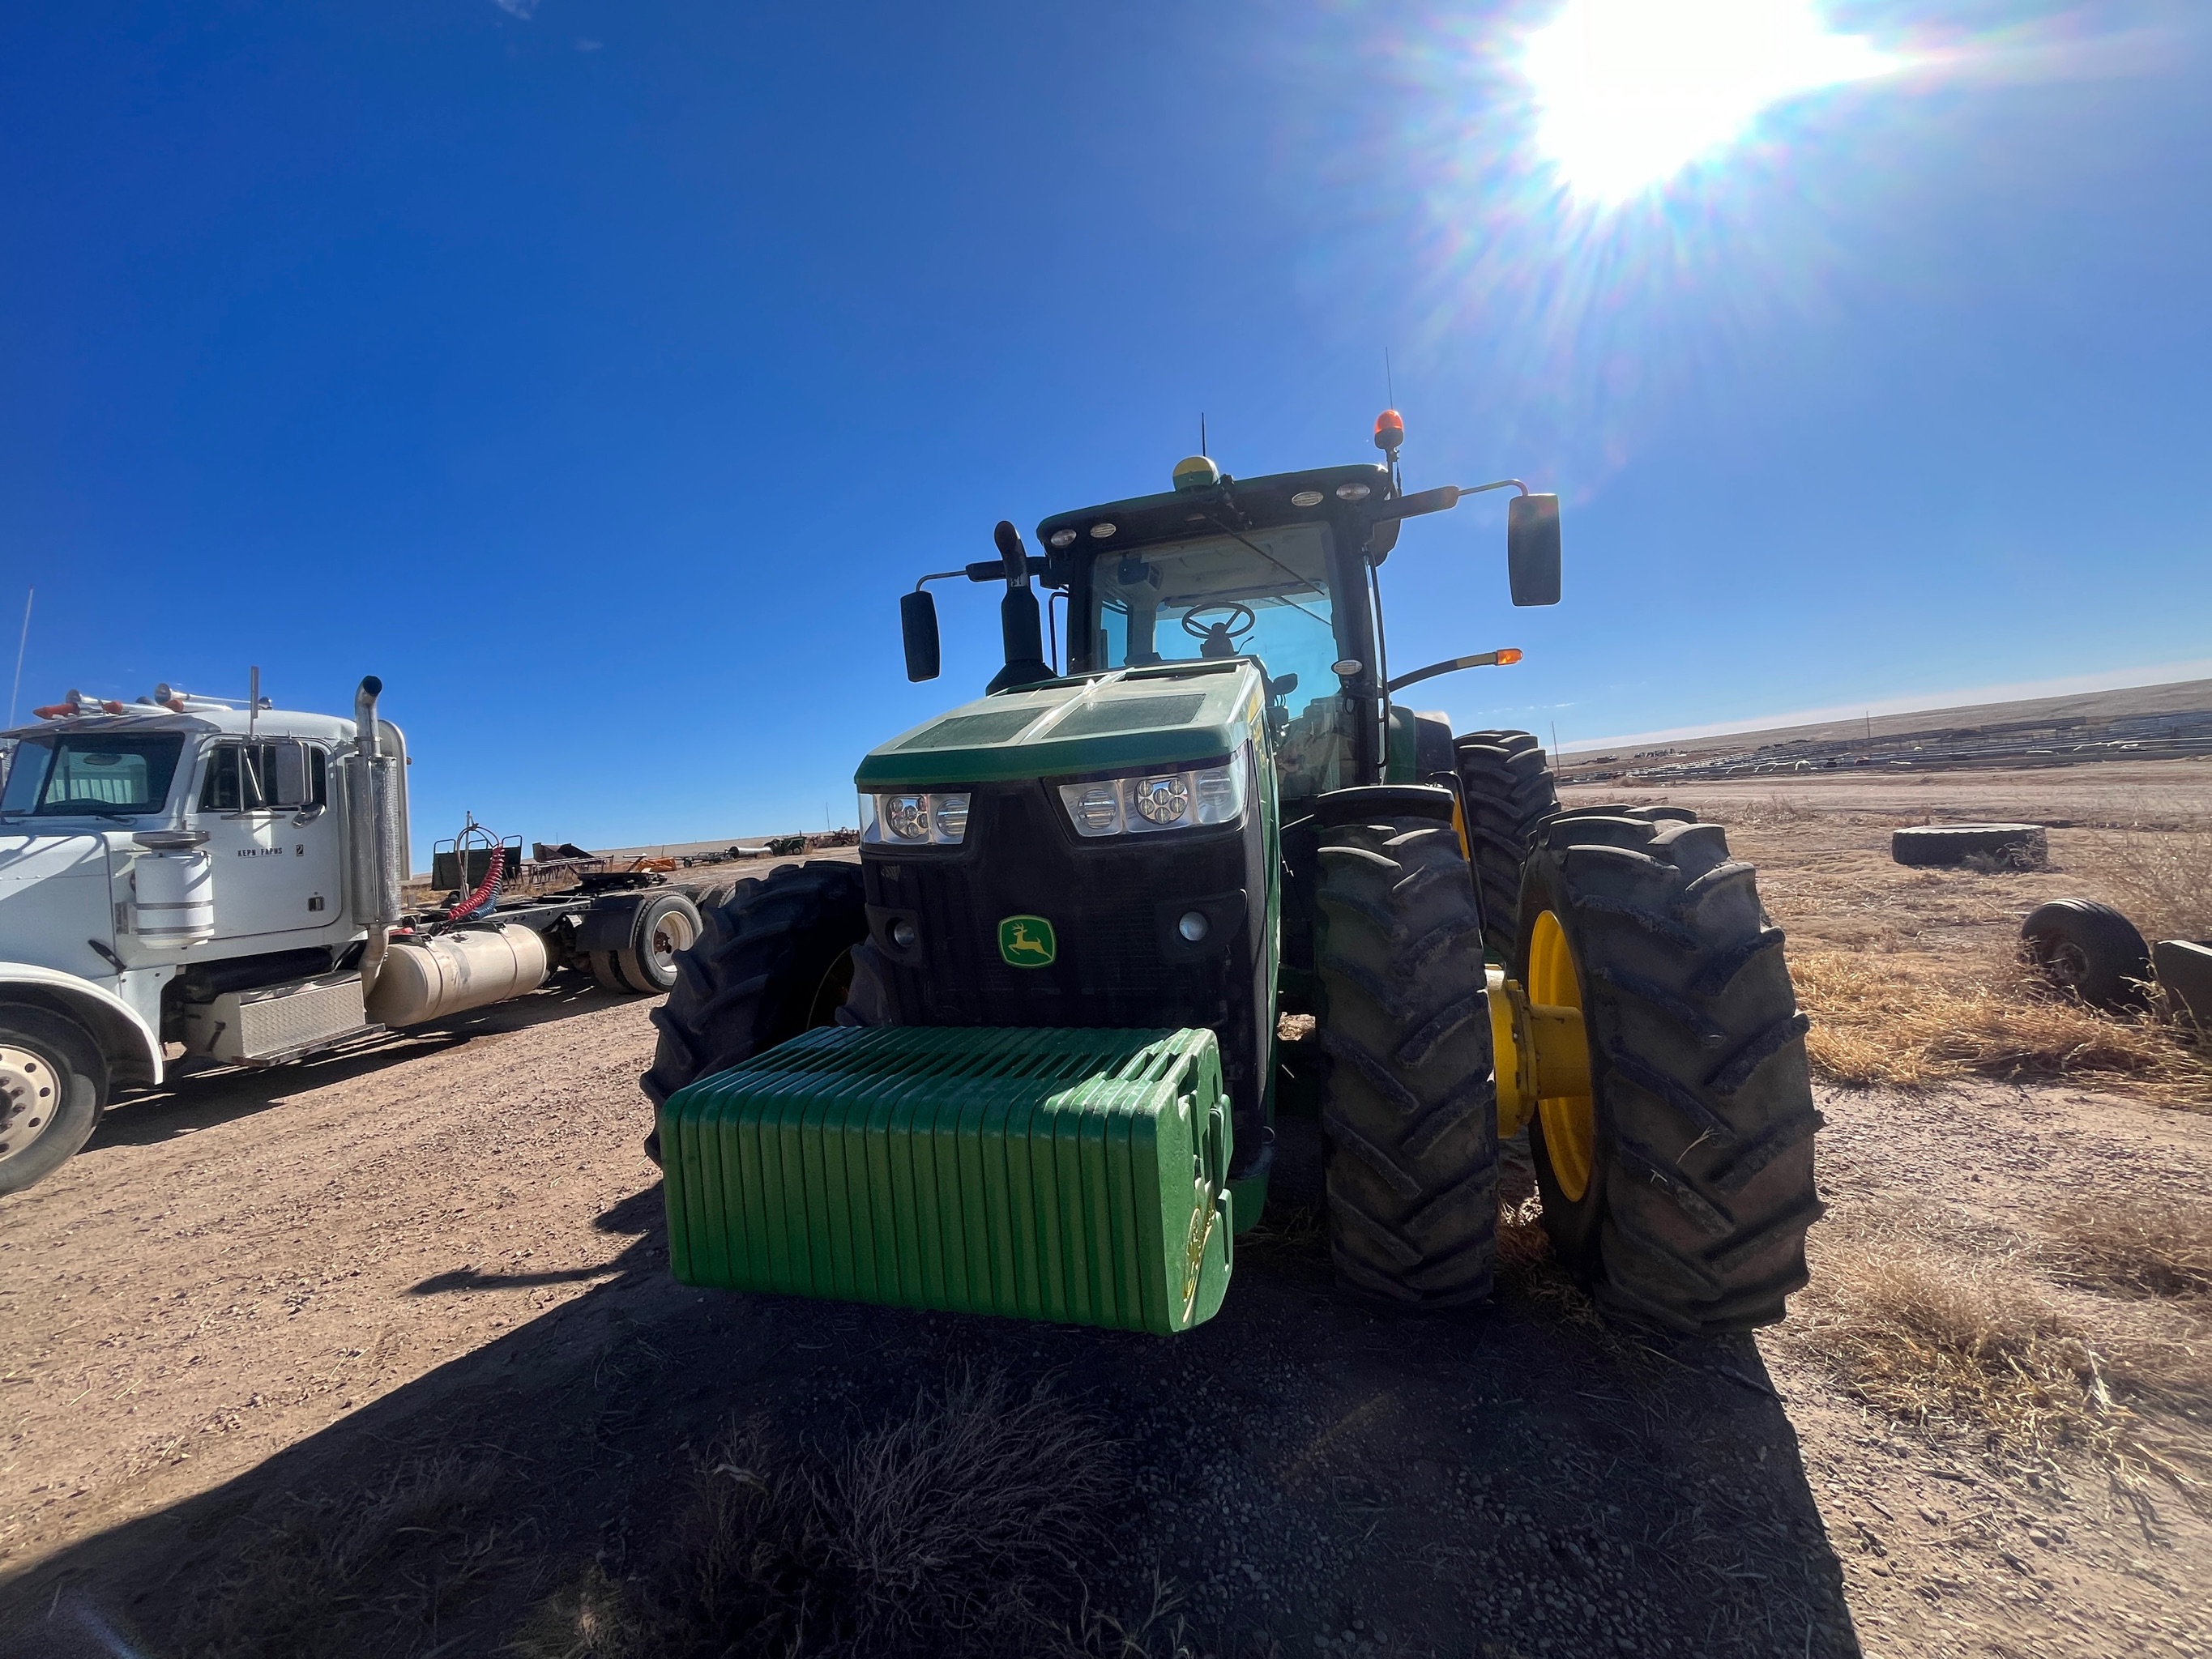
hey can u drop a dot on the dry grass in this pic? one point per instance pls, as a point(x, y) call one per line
point(1960, 1348)
point(1908, 1021)
point(1977, 1350)
point(963, 1527)
point(2163, 880)
point(335, 1565)
point(2140, 1247)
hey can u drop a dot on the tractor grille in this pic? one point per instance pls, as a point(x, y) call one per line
point(1071, 1176)
point(1113, 905)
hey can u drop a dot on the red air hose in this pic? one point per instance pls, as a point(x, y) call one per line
point(468, 906)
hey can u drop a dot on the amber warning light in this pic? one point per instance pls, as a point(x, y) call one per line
point(1389, 431)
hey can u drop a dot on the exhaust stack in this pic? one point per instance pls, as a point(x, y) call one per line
point(375, 818)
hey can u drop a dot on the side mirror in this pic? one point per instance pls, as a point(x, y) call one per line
point(1532, 549)
point(918, 621)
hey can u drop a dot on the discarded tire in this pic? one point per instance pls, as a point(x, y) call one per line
point(2023, 846)
point(2089, 948)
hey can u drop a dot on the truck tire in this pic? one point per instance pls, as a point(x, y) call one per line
point(53, 1088)
point(1680, 1189)
point(773, 961)
point(2089, 948)
point(2023, 846)
point(666, 926)
point(1410, 1106)
point(1505, 787)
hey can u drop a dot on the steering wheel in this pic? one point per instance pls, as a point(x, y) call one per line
point(1218, 639)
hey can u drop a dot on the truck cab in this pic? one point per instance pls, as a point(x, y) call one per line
point(157, 857)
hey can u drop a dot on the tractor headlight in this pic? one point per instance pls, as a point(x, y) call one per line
point(916, 820)
point(1145, 802)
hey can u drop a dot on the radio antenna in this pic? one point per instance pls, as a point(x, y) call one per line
point(1201, 431)
point(23, 640)
point(1390, 386)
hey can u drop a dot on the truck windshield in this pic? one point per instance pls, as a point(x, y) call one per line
point(1262, 594)
point(91, 773)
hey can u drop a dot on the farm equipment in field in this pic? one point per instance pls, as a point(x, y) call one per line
point(1026, 1058)
point(189, 880)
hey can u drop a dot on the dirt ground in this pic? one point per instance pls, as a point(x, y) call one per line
point(259, 1305)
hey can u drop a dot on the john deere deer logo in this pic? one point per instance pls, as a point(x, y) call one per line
point(1027, 941)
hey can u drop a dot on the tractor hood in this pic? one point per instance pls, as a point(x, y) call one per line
point(1173, 713)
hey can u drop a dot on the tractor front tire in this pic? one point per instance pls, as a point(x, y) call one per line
point(1506, 789)
point(1680, 1190)
point(776, 960)
point(1410, 1107)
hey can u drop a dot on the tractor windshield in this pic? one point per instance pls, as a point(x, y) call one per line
point(1263, 594)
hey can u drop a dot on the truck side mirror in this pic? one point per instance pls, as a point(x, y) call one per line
point(1532, 549)
point(918, 621)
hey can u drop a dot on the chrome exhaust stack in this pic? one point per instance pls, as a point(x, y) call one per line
point(375, 841)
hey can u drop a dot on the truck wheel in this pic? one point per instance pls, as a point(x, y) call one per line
point(1505, 787)
point(667, 925)
point(1410, 1107)
point(2089, 948)
point(773, 962)
point(53, 1087)
point(1680, 1188)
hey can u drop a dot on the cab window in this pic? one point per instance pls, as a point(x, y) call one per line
point(282, 776)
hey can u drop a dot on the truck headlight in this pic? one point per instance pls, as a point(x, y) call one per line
point(1142, 802)
point(904, 819)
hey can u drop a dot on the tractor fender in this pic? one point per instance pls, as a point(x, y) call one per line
point(129, 1043)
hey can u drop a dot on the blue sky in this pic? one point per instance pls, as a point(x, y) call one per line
point(599, 374)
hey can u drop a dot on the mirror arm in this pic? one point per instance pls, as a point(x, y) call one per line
point(937, 576)
point(1502, 483)
point(1482, 659)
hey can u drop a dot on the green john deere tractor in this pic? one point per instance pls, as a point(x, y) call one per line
point(1026, 1056)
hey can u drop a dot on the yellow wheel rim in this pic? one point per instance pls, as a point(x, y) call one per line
point(1570, 1121)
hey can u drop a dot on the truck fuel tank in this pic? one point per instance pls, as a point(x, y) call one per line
point(427, 979)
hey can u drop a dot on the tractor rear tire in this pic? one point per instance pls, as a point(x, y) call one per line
point(775, 960)
point(1505, 787)
point(1680, 1190)
point(1410, 1107)
point(53, 1088)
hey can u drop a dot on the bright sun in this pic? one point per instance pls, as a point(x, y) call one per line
point(1632, 91)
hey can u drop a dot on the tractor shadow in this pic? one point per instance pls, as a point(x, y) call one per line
point(1312, 1474)
point(221, 1094)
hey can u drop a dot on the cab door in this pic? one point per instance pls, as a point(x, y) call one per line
point(273, 839)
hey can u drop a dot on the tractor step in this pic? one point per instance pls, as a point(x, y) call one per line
point(1073, 1175)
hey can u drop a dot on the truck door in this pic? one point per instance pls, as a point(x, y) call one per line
point(274, 841)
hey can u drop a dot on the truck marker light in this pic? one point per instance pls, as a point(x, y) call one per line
point(1352, 492)
point(1192, 926)
point(1306, 498)
point(1063, 537)
point(1102, 531)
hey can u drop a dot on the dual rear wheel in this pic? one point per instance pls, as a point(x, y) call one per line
point(1677, 1183)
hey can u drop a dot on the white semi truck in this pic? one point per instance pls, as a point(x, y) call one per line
point(187, 880)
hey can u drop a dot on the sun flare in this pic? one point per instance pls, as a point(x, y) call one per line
point(1630, 92)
